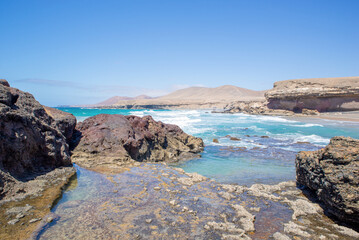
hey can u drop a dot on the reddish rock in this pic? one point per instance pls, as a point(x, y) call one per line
point(116, 138)
point(31, 142)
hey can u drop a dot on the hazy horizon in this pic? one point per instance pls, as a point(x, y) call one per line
point(83, 52)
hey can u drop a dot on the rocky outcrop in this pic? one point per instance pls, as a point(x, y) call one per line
point(321, 94)
point(333, 174)
point(261, 108)
point(65, 122)
point(107, 139)
point(31, 141)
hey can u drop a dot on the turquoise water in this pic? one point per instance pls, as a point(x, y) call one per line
point(253, 159)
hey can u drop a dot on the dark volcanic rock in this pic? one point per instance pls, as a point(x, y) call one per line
point(333, 173)
point(4, 82)
point(31, 141)
point(117, 138)
point(65, 122)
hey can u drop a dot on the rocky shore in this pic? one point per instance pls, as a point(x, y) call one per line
point(34, 162)
point(113, 140)
point(155, 201)
point(128, 196)
point(303, 97)
point(332, 174)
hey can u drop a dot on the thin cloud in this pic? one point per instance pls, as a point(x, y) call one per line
point(102, 91)
point(52, 83)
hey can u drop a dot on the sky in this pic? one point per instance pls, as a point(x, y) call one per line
point(68, 52)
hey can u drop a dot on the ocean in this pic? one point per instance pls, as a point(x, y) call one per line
point(137, 202)
point(265, 152)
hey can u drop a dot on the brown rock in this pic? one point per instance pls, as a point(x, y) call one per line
point(310, 112)
point(321, 94)
point(65, 122)
point(31, 143)
point(215, 140)
point(4, 83)
point(234, 139)
point(116, 138)
point(333, 174)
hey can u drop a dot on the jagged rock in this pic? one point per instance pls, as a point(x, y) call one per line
point(4, 82)
point(31, 141)
point(116, 138)
point(322, 94)
point(65, 122)
point(333, 174)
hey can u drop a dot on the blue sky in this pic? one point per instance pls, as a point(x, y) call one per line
point(76, 52)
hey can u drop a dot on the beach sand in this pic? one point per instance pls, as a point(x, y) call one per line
point(352, 116)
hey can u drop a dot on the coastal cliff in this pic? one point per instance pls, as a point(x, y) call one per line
point(333, 174)
point(321, 94)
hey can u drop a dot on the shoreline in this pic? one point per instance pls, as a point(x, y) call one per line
point(187, 196)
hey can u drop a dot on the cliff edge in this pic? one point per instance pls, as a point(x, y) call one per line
point(321, 94)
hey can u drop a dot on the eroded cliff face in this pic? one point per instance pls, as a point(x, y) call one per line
point(322, 94)
point(110, 139)
point(333, 174)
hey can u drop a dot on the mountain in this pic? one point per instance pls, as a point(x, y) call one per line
point(190, 98)
point(116, 99)
point(222, 93)
point(195, 98)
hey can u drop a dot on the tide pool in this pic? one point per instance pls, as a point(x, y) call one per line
point(265, 152)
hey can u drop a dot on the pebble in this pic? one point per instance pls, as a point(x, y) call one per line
point(148, 220)
point(157, 188)
point(34, 220)
point(12, 222)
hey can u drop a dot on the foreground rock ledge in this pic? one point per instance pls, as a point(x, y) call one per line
point(113, 139)
point(333, 174)
point(34, 160)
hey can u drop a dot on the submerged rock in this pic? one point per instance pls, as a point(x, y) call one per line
point(333, 174)
point(116, 138)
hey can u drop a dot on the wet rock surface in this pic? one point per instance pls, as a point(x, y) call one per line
point(111, 139)
point(333, 174)
point(150, 201)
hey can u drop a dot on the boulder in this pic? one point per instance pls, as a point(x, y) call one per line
point(116, 138)
point(4, 82)
point(321, 94)
point(65, 122)
point(332, 173)
point(32, 142)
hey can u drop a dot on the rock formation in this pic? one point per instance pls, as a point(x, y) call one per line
point(31, 141)
point(322, 94)
point(111, 139)
point(333, 174)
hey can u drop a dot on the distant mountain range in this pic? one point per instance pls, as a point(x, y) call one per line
point(116, 99)
point(192, 97)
